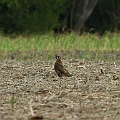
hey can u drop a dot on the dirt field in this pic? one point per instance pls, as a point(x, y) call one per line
point(32, 88)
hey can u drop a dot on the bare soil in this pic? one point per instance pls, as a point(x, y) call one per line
point(76, 54)
point(32, 88)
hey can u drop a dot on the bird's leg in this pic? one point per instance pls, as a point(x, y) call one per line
point(65, 83)
point(60, 84)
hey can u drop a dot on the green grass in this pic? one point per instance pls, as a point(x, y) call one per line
point(68, 42)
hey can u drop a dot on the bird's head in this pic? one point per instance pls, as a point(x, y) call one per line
point(57, 56)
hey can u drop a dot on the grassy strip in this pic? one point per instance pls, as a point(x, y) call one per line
point(68, 42)
point(86, 46)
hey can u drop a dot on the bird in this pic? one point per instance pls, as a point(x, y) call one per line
point(59, 68)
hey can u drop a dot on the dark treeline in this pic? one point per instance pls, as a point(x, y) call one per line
point(19, 16)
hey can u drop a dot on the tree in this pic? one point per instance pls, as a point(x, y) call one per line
point(28, 15)
point(105, 16)
point(88, 6)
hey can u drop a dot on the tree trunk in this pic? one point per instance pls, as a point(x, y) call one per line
point(87, 10)
point(71, 14)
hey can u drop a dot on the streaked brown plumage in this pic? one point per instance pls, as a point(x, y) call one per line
point(59, 68)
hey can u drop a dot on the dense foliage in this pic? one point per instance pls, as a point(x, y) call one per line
point(28, 15)
point(106, 16)
point(18, 16)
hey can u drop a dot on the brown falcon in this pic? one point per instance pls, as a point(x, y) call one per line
point(59, 68)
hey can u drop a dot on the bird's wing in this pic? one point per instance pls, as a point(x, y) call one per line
point(58, 73)
point(61, 68)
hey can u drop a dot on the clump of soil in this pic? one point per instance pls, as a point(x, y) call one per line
point(31, 89)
